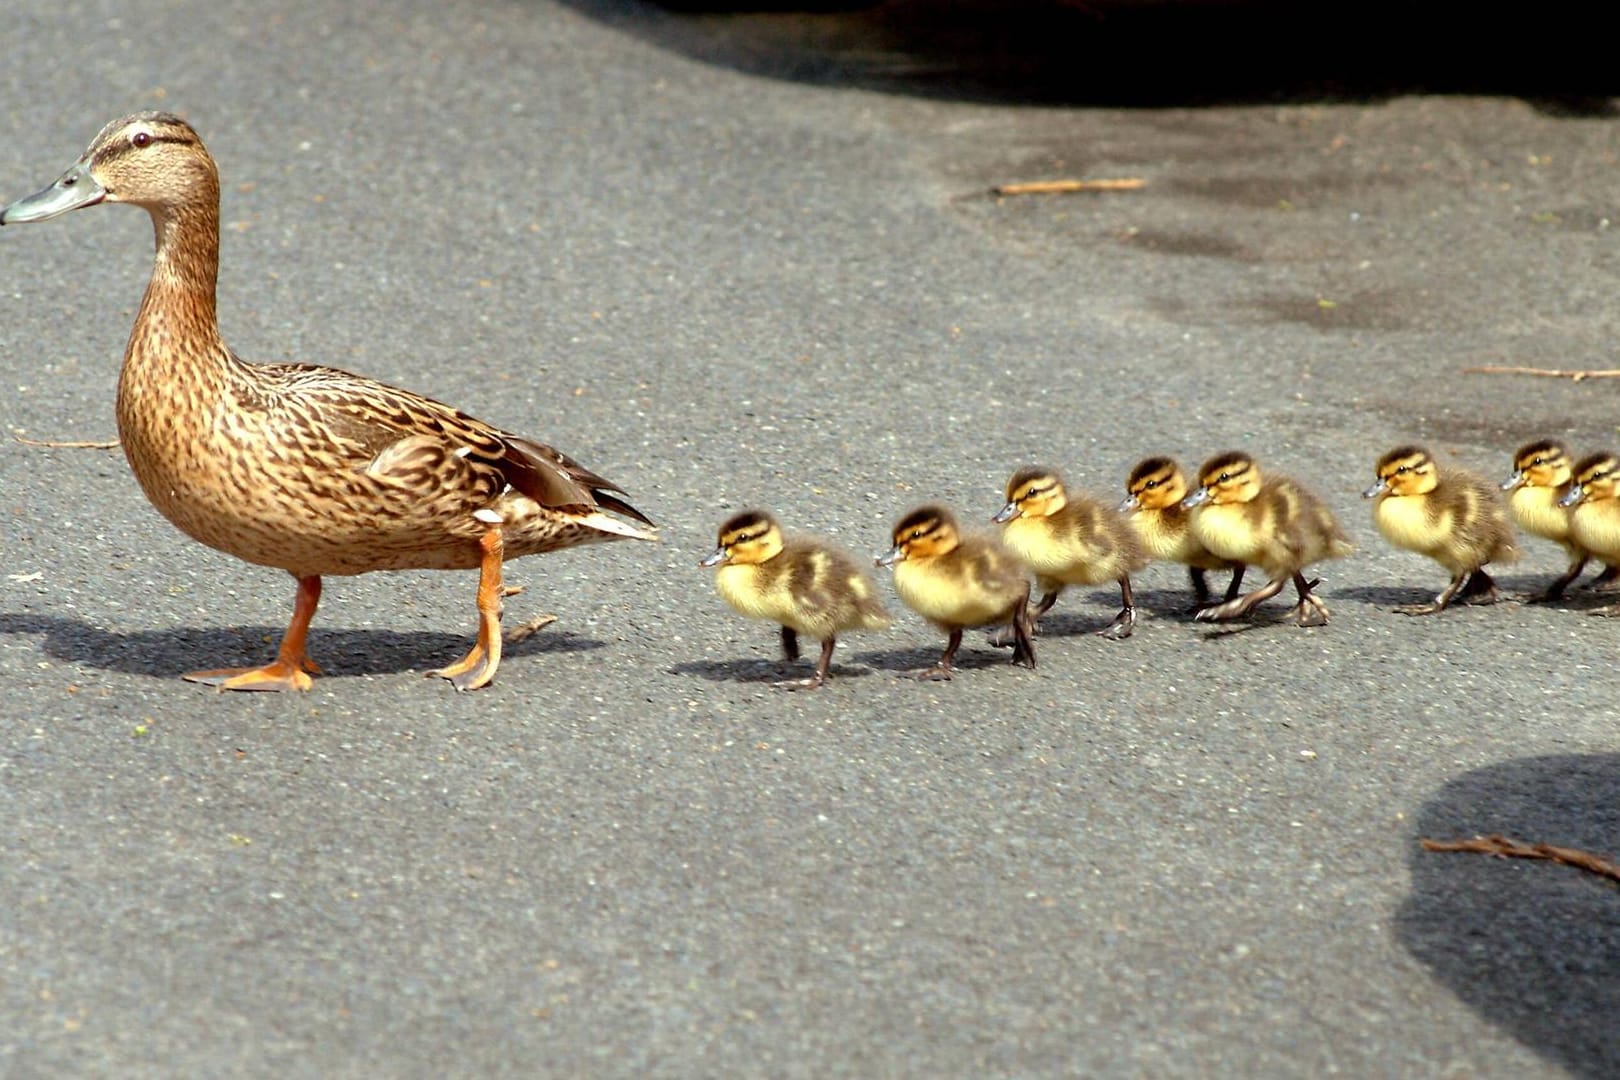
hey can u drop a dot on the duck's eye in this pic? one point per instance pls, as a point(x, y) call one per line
point(141, 140)
point(1151, 484)
point(1224, 478)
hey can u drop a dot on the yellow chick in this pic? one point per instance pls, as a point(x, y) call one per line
point(1154, 490)
point(1069, 539)
point(1266, 521)
point(1542, 474)
point(806, 585)
point(1449, 514)
point(956, 580)
point(1594, 521)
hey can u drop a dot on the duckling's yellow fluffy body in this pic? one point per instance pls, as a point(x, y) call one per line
point(1594, 503)
point(1153, 493)
point(1070, 539)
point(1448, 514)
point(1269, 521)
point(957, 580)
point(804, 584)
point(1543, 472)
point(309, 469)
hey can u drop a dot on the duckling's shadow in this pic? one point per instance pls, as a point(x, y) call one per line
point(1530, 946)
point(973, 654)
point(170, 653)
point(755, 670)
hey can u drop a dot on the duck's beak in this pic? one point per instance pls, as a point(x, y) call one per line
point(894, 555)
point(1129, 503)
point(1006, 513)
point(1513, 481)
point(1376, 490)
point(714, 558)
point(75, 189)
point(1197, 498)
point(1572, 496)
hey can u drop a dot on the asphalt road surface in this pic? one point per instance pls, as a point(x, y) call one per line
point(755, 261)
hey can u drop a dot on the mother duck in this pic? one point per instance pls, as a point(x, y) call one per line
point(310, 469)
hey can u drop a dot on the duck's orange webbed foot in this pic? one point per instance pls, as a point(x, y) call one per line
point(477, 668)
point(277, 675)
point(292, 667)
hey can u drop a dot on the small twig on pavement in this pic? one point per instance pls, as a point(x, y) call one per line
point(1549, 373)
point(1503, 847)
point(1063, 187)
point(56, 445)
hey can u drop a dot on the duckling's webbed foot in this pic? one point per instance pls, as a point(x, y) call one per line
point(1125, 622)
point(1555, 590)
point(1023, 625)
point(817, 680)
point(1480, 589)
point(941, 672)
point(1240, 606)
point(292, 667)
point(1310, 611)
point(1608, 581)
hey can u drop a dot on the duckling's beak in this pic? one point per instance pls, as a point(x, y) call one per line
point(1572, 496)
point(1006, 513)
point(76, 188)
point(1129, 503)
point(1377, 489)
point(1513, 481)
point(894, 555)
point(1197, 498)
point(714, 558)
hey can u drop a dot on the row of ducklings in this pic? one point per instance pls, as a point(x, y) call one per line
point(1236, 518)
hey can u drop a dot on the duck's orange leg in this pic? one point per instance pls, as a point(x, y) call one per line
point(477, 668)
point(292, 665)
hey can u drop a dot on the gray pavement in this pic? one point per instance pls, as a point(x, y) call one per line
point(726, 263)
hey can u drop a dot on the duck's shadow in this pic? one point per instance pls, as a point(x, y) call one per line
point(170, 653)
point(755, 670)
point(1531, 946)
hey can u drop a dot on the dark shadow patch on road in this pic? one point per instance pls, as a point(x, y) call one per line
point(973, 654)
point(759, 671)
point(170, 653)
point(1137, 52)
point(1531, 946)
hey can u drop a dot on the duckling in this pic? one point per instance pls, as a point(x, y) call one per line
point(1069, 539)
point(956, 580)
point(803, 583)
point(1154, 490)
point(1541, 476)
point(308, 469)
point(1267, 521)
point(1594, 504)
point(1448, 514)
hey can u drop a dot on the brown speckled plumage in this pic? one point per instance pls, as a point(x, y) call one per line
point(309, 469)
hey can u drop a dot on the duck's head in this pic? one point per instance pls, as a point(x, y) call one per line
point(748, 538)
point(926, 532)
point(1230, 477)
point(1543, 463)
point(1406, 470)
point(1596, 477)
point(1155, 484)
point(1033, 492)
point(151, 159)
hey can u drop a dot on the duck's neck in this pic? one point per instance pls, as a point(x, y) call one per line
point(180, 297)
